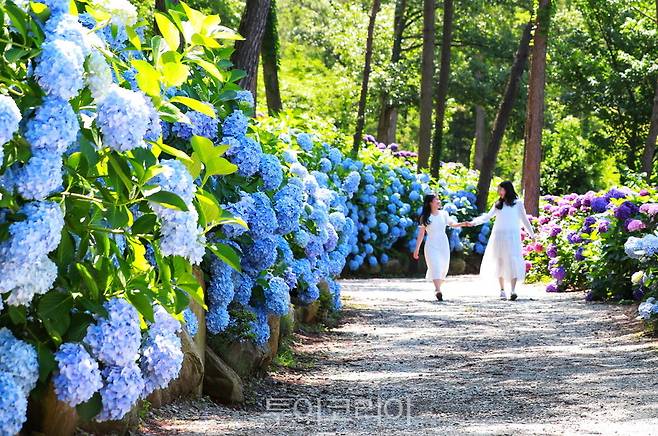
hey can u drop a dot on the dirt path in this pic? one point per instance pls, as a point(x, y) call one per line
point(400, 363)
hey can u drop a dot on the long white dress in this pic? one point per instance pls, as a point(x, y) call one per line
point(503, 256)
point(437, 248)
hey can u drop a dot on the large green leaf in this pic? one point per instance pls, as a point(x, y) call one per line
point(89, 281)
point(142, 303)
point(175, 73)
point(189, 283)
point(220, 167)
point(168, 199)
point(194, 105)
point(54, 310)
point(89, 409)
point(168, 30)
point(227, 254)
point(208, 205)
point(47, 361)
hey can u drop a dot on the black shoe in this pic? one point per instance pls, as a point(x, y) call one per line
point(513, 297)
point(439, 296)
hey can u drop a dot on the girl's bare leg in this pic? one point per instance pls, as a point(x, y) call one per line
point(513, 295)
point(502, 283)
point(437, 289)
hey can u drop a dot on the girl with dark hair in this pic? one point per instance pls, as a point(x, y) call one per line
point(503, 257)
point(433, 222)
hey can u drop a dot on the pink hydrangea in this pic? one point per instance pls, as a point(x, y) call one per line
point(649, 208)
point(635, 225)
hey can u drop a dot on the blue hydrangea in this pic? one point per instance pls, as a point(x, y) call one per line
point(286, 254)
point(335, 156)
point(181, 235)
point(288, 204)
point(118, 109)
point(245, 153)
point(38, 178)
point(60, 68)
point(77, 377)
point(271, 171)
point(200, 125)
point(261, 218)
point(325, 165)
point(154, 130)
point(191, 322)
point(305, 141)
point(277, 296)
point(10, 117)
point(220, 287)
point(19, 360)
point(299, 170)
point(115, 340)
point(309, 295)
point(54, 126)
point(161, 355)
point(13, 406)
point(260, 327)
point(235, 125)
point(240, 209)
point(259, 256)
point(217, 319)
point(243, 286)
point(245, 96)
point(67, 27)
point(290, 156)
point(351, 183)
point(334, 289)
point(58, 7)
point(123, 387)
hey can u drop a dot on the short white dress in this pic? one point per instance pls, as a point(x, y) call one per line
point(437, 248)
point(503, 256)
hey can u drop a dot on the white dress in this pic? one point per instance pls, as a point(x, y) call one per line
point(503, 256)
point(437, 248)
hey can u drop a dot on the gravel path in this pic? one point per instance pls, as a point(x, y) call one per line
point(401, 363)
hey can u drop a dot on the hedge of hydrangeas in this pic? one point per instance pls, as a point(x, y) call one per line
point(604, 243)
point(100, 221)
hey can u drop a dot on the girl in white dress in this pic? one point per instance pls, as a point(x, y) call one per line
point(503, 257)
point(433, 222)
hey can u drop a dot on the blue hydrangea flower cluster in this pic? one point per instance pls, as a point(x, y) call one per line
point(191, 322)
point(118, 108)
point(244, 152)
point(25, 269)
point(19, 371)
point(78, 376)
point(115, 340)
point(180, 233)
point(270, 171)
point(161, 356)
point(10, 117)
point(123, 386)
point(277, 296)
point(200, 125)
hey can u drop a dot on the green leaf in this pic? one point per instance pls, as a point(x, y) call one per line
point(142, 303)
point(175, 73)
point(54, 310)
point(180, 155)
point(47, 361)
point(79, 323)
point(220, 167)
point(17, 314)
point(227, 254)
point(145, 224)
point(208, 205)
point(89, 281)
point(195, 166)
point(189, 283)
point(204, 147)
point(118, 216)
point(168, 199)
point(210, 69)
point(148, 78)
point(89, 409)
point(182, 301)
point(195, 17)
point(168, 30)
point(17, 18)
point(194, 105)
point(133, 38)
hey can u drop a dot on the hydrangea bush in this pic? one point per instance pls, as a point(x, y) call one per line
point(101, 221)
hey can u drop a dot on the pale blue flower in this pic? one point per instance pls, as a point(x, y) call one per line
point(235, 125)
point(245, 96)
point(10, 116)
point(77, 377)
point(245, 153)
point(200, 125)
point(277, 296)
point(124, 385)
point(19, 360)
point(59, 68)
point(124, 118)
point(217, 319)
point(115, 340)
point(191, 322)
point(270, 171)
point(54, 126)
point(13, 406)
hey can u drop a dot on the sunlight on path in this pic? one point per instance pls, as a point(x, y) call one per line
point(402, 363)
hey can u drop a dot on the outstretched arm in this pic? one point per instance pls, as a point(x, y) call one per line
point(484, 217)
point(452, 221)
point(524, 219)
point(419, 241)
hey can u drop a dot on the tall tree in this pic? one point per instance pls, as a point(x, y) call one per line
point(361, 114)
point(535, 111)
point(502, 117)
point(480, 136)
point(270, 55)
point(252, 28)
point(427, 77)
point(388, 116)
point(442, 87)
point(650, 144)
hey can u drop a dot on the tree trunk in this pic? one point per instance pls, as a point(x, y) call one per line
point(427, 77)
point(480, 128)
point(442, 87)
point(270, 56)
point(535, 110)
point(650, 144)
point(361, 114)
point(252, 28)
point(388, 116)
point(502, 117)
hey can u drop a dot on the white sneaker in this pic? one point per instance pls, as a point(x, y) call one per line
point(503, 295)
